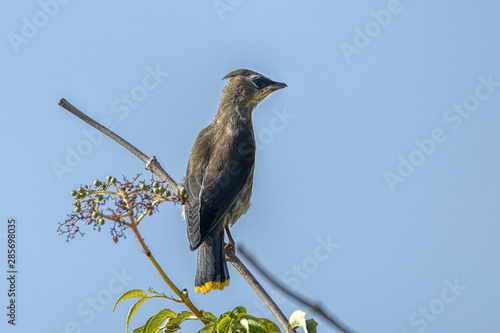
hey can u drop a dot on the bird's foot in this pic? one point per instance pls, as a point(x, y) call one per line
point(230, 241)
point(230, 245)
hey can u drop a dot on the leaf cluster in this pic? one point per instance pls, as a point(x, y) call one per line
point(126, 203)
point(234, 321)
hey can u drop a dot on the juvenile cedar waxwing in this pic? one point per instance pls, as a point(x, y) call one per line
point(219, 175)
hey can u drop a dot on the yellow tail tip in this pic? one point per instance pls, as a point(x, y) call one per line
point(211, 285)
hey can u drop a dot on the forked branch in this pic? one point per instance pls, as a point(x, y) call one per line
point(155, 167)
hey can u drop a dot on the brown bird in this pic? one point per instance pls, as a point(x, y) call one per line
point(219, 175)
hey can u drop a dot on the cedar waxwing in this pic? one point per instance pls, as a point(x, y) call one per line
point(219, 175)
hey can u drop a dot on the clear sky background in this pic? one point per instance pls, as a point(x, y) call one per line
point(377, 186)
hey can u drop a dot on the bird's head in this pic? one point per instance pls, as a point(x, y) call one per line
point(249, 87)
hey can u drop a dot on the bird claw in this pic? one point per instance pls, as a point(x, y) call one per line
point(231, 246)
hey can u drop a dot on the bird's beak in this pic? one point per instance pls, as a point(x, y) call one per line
point(275, 86)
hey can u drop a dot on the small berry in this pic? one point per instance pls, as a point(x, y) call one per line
point(183, 191)
point(78, 209)
point(97, 182)
point(100, 197)
point(113, 180)
point(95, 215)
point(143, 187)
point(108, 178)
point(156, 184)
point(81, 190)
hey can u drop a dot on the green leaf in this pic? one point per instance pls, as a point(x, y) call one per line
point(238, 311)
point(252, 326)
point(209, 316)
point(174, 322)
point(311, 326)
point(224, 325)
point(130, 294)
point(269, 325)
point(132, 310)
point(224, 315)
point(139, 329)
point(156, 320)
point(297, 319)
point(186, 315)
point(210, 328)
point(142, 328)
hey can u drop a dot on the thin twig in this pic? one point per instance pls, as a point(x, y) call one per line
point(155, 167)
point(315, 306)
point(151, 163)
point(183, 295)
point(248, 276)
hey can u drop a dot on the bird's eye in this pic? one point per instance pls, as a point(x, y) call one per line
point(259, 82)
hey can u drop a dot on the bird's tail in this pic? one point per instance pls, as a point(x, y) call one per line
point(211, 272)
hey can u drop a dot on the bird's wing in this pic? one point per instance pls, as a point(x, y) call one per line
point(214, 191)
point(192, 210)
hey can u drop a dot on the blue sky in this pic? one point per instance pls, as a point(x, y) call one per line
point(377, 182)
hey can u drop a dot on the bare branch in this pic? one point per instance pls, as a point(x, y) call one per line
point(151, 163)
point(155, 167)
point(315, 306)
point(248, 276)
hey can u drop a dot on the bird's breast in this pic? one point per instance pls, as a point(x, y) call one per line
point(241, 202)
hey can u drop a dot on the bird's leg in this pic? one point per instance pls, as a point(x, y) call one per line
point(230, 242)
